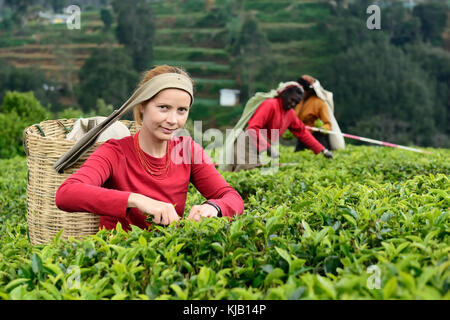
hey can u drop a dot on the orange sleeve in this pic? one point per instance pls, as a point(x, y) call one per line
point(298, 108)
point(322, 112)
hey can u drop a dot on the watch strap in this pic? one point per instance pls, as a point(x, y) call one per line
point(219, 212)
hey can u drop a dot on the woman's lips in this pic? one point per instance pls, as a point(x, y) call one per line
point(167, 131)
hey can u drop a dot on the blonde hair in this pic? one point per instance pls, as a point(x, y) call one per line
point(158, 70)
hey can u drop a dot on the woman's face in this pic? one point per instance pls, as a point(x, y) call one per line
point(165, 113)
point(291, 99)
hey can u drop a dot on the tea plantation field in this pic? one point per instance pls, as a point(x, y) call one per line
point(373, 223)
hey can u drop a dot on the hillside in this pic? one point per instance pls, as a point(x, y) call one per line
point(196, 35)
point(187, 36)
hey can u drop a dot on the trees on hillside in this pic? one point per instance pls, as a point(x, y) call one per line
point(107, 74)
point(377, 86)
point(408, 38)
point(436, 63)
point(107, 18)
point(136, 30)
point(388, 84)
point(58, 5)
point(251, 56)
point(27, 79)
point(433, 18)
point(401, 26)
point(19, 9)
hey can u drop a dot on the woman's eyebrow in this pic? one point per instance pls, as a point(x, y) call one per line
point(169, 105)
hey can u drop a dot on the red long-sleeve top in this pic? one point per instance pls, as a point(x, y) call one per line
point(271, 115)
point(104, 182)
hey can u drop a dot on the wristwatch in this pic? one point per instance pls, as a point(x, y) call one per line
point(219, 212)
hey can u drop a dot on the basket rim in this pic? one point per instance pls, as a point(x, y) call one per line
point(28, 131)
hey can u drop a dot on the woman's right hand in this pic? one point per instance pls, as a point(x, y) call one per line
point(163, 213)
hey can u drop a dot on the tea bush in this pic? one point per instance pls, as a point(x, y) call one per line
point(373, 223)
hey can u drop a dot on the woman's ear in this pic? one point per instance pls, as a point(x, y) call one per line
point(142, 109)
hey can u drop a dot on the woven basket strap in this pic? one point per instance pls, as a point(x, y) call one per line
point(130, 125)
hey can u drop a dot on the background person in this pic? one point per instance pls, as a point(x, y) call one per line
point(129, 179)
point(275, 113)
point(313, 112)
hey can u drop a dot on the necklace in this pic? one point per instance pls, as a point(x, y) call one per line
point(152, 169)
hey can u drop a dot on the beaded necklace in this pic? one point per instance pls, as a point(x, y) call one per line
point(152, 169)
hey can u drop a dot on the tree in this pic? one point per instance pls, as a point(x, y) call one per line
point(251, 56)
point(107, 74)
point(18, 111)
point(436, 62)
point(233, 11)
point(103, 109)
point(136, 30)
point(7, 19)
point(349, 27)
point(70, 113)
point(349, 30)
point(106, 17)
point(377, 81)
point(19, 8)
point(433, 17)
point(25, 105)
point(403, 28)
point(26, 79)
point(5, 72)
point(58, 5)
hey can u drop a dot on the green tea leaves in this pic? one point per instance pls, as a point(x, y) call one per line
point(371, 224)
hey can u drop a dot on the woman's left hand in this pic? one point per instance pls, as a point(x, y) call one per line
point(202, 211)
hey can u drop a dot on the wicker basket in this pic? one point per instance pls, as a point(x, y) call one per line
point(44, 143)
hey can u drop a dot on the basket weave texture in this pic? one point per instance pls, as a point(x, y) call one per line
point(44, 143)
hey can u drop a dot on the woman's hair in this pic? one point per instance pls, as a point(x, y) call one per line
point(306, 82)
point(150, 74)
point(290, 91)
